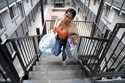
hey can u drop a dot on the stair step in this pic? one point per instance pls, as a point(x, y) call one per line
point(35, 81)
point(59, 81)
point(72, 81)
point(110, 81)
point(57, 62)
point(52, 57)
point(56, 75)
point(54, 60)
point(56, 67)
point(50, 63)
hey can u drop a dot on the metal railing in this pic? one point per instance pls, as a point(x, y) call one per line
point(84, 27)
point(21, 54)
point(104, 57)
point(111, 60)
point(90, 49)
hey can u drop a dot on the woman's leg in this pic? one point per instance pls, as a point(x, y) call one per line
point(64, 55)
point(57, 48)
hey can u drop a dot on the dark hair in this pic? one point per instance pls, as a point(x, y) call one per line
point(71, 11)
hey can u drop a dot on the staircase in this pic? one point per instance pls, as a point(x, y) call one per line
point(93, 54)
point(50, 69)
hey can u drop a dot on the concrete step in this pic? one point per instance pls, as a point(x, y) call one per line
point(49, 63)
point(59, 81)
point(56, 75)
point(56, 67)
point(50, 60)
point(110, 81)
point(72, 81)
point(56, 62)
point(49, 57)
point(36, 81)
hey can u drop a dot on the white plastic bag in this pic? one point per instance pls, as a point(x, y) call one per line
point(47, 43)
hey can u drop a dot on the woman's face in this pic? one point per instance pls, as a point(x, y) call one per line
point(68, 17)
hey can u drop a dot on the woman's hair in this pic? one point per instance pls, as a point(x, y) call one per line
point(71, 11)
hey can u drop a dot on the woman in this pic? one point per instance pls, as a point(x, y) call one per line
point(63, 28)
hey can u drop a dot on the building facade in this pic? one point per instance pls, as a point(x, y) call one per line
point(16, 17)
point(113, 11)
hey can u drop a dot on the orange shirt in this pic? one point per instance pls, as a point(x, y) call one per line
point(61, 32)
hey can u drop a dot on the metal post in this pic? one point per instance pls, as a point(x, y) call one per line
point(38, 33)
point(35, 47)
point(42, 11)
point(88, 3)
point(106, 33)
point(42, 16)
point(7, 64)
point(98, 17)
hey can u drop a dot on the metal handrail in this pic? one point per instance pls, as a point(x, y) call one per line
point(89, 51)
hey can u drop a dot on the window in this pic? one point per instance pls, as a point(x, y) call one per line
point(12, 11)
point(59, 3)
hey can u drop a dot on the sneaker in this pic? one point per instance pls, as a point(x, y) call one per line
point(64, 57)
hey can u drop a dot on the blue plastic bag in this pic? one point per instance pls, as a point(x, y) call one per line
point(47, 43)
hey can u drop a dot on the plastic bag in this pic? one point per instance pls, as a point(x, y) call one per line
point(47, 43)
point(71, 50)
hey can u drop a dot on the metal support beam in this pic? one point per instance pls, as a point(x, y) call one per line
point(42, 17)
point(99, 13)
point(98, 17)
point(42, 11)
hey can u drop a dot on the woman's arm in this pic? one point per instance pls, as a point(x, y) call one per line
point(57, 22)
